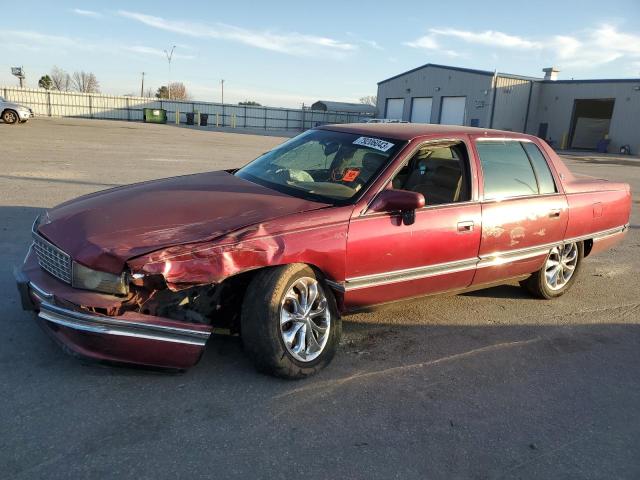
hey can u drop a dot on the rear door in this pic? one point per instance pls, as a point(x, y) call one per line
point(524, 213)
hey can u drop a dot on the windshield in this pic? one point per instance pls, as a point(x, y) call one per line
point(331, 167)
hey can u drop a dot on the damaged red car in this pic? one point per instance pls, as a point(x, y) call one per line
point(339, 218)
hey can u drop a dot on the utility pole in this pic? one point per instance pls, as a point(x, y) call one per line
point(222, 90)
point(169, 57)
point(142, 86)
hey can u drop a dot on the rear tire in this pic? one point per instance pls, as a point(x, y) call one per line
point(558, 273)
point(290, 324)
point(10, 116)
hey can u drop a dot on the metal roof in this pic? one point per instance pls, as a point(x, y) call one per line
point(511, 75)
point(346, 107)
point(597, 80)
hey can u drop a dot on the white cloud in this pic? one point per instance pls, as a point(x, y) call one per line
point(429, 42)
point(488, 37)
point(289, 43)
point(154, 51)
point(595, 47)
point(583, 50)
point(86, 13)
point(38, 42)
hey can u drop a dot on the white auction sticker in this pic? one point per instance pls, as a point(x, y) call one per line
point(374, 143)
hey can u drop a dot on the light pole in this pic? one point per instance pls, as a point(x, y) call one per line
point(222, 90)
point(169, 57)
point(142, 86)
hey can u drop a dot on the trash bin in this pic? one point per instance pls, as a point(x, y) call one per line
point(603, 145)
point(154, 115)
point(189, 118)
point(203, 119)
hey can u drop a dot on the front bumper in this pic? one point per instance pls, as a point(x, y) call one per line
point(24, 115)
point(131, 338)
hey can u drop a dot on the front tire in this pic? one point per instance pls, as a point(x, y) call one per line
point(558, 273)
point(11, 117)
point(290, 324)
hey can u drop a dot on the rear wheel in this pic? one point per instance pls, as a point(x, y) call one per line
point(290, 323)
point(10, 117)
point(558, 272)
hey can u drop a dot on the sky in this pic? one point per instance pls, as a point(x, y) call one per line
point(284, 53)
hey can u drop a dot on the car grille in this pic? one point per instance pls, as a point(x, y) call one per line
point(52, 259)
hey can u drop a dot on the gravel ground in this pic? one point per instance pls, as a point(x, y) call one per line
point(491, 384)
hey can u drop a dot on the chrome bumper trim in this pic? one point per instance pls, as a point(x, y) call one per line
point(110, 326)
point(40, 293)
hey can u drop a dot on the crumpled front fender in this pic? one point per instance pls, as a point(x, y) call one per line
point(323, 244)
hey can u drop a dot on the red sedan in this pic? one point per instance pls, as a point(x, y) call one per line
point(338, 218)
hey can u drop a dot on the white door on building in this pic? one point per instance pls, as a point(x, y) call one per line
point(453, 110)
point(421, 110)
point(395, 108)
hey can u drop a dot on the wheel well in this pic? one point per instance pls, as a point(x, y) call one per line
point(238, 284)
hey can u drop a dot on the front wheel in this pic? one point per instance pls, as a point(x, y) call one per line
point(10, 117)
point(558, 272)
point(290, 324)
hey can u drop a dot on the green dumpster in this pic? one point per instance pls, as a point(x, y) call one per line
point(155, 115)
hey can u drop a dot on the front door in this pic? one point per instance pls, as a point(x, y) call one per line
point(388, 260)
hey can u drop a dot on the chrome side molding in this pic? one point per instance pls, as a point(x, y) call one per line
point(484, 261)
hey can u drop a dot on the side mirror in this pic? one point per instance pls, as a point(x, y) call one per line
point(403, 201)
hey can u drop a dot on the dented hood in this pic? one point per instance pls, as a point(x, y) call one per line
point(105, 229)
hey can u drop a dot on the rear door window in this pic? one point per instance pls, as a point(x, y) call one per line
point(506, 169)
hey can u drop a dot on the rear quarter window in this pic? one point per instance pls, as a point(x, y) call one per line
point(541, 167)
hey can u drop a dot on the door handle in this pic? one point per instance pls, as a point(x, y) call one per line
point(555, 213)
point(465, 226)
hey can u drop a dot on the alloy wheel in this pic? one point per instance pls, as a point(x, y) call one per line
point(305, 319)
point(560, 266)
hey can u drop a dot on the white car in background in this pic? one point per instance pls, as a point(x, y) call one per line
point(13, 113)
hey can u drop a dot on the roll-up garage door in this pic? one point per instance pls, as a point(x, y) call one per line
point(452, 112)
point(421, 110)
point(395, 107)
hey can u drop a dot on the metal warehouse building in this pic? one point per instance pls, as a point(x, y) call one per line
point(568, 113)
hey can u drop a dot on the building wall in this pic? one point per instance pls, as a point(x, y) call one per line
point(438, 82)
point(555, 107)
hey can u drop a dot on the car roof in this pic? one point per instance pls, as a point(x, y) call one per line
point(409, 131)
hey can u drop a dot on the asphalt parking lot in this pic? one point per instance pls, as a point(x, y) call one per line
point(491, 384)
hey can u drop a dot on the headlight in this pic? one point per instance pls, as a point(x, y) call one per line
point(88, 279)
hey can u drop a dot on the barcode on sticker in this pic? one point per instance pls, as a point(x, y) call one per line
point(374, 143)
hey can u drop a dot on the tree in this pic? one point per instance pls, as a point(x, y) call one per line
point(369, 100)
point(85, 82)
point(60, 79)
point(178, 91)
point(45, 82)
point(250, 103)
